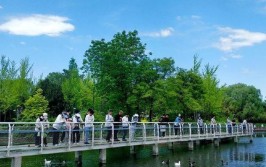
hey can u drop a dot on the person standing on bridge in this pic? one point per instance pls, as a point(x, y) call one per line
point(177, 123)
point(200, 125)
point(244, 125)
point(89, 119)
point(117, 124)
point(213, 125)
point(229, 125)
point(77, 120)
point(125, 125)
point(109, 124)
point(133, 127)
point(60, 121)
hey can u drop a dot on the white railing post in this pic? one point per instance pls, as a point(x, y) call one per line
point(9, 139)
point(69, 135)
point(220, 126)
point(169, 131)
point(92, 135)
point(198, 130)
point(101, 133)
point(41, 135)
point(189, 125)
point(112, 134)
point(144, 132)
point(158, 132)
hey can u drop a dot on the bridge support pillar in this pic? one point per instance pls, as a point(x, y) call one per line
point(171, 146)
point(236, 139)
point(190, 145)
point(78, 158)
point(197, 142)
point(102, 156)
point(16, 162)
point(216, 142)
point(251, 139)
point(132, 150)
point(155, 149)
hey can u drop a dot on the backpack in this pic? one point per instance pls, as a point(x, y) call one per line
point(77, 118)
point(135, 119)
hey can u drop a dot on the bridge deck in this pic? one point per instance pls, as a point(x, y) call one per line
point(17, 139)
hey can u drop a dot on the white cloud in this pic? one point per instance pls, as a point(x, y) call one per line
point(231, 56)
point(237, 38)
point(36, 25)
point(162, 33)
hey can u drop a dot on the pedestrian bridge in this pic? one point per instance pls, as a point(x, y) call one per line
point(17, 138)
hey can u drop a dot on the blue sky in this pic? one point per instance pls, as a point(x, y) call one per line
point(227, 33)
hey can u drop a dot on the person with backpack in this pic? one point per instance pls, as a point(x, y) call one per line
point(89, 119)
point(77, 120)
point(134, 121)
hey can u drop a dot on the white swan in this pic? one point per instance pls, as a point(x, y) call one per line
point(177, 164)
point(47, 163)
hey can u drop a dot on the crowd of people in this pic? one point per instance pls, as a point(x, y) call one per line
point(67, 128)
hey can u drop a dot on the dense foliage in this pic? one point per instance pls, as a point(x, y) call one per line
point(120, 75)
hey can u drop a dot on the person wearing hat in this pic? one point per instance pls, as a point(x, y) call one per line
point(41, 124)
point(89, 119)
point(134, 121)
point(77, 120)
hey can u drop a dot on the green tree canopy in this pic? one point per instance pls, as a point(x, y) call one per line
point(35, 106)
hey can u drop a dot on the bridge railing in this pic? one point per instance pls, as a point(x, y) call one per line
point(14, 134)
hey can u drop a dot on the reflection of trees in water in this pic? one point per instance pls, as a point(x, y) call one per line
point(236, 155)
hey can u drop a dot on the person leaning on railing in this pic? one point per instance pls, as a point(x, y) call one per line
point(58, 125)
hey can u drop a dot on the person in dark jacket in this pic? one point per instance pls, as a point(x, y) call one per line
point(118, 121)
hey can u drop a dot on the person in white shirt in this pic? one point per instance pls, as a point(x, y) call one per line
point(58, 125)
point(77, 120)
point(125, 125)
point(109, 124)
point(134, 121)
point(89, 119)
point(213, 124)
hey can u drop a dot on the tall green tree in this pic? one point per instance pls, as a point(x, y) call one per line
point(243, 102)
point(52, 90)
point(113, 66)
point(35, 106)
point(213, 96)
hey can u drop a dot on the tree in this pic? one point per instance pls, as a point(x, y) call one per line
point(52, 90)
point(243, 102)
point(213, 96)
point(113, 66)
point(35, 106)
